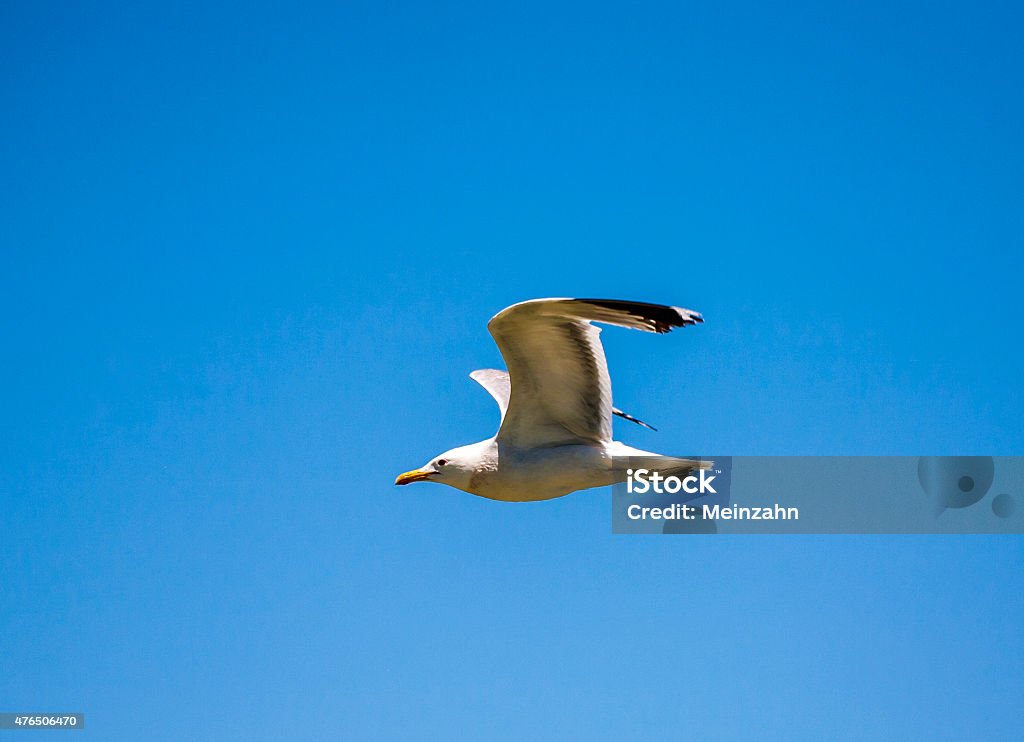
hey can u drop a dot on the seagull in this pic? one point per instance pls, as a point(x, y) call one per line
point(555, 401)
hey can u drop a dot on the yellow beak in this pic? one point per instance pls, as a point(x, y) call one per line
point(414, 476)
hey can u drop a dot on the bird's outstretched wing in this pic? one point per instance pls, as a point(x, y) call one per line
point(497, 384)
point(560, 388)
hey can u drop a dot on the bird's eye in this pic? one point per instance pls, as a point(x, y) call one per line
point(442, 462)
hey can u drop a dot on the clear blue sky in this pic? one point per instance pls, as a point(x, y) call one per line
point(248, 254)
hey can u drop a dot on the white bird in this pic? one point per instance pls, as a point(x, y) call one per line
point(555, 401)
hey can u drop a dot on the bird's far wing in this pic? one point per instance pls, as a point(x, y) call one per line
point(497, 385)
point(561, 391)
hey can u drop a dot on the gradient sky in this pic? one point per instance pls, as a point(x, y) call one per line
point(248, 256)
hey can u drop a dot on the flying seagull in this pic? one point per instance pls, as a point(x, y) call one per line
point(556, 407)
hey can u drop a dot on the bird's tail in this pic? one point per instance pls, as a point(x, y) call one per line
point(673, 466)
point(665, 465)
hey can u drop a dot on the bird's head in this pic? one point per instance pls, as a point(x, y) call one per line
point(454, 468)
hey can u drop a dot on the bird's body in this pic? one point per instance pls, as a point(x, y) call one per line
point(512, 474)
point(555, 403)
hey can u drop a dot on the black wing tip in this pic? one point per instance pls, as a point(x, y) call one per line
point(661, 317)
point(638, 421)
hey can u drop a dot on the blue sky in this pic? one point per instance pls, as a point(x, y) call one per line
point(248, 256)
